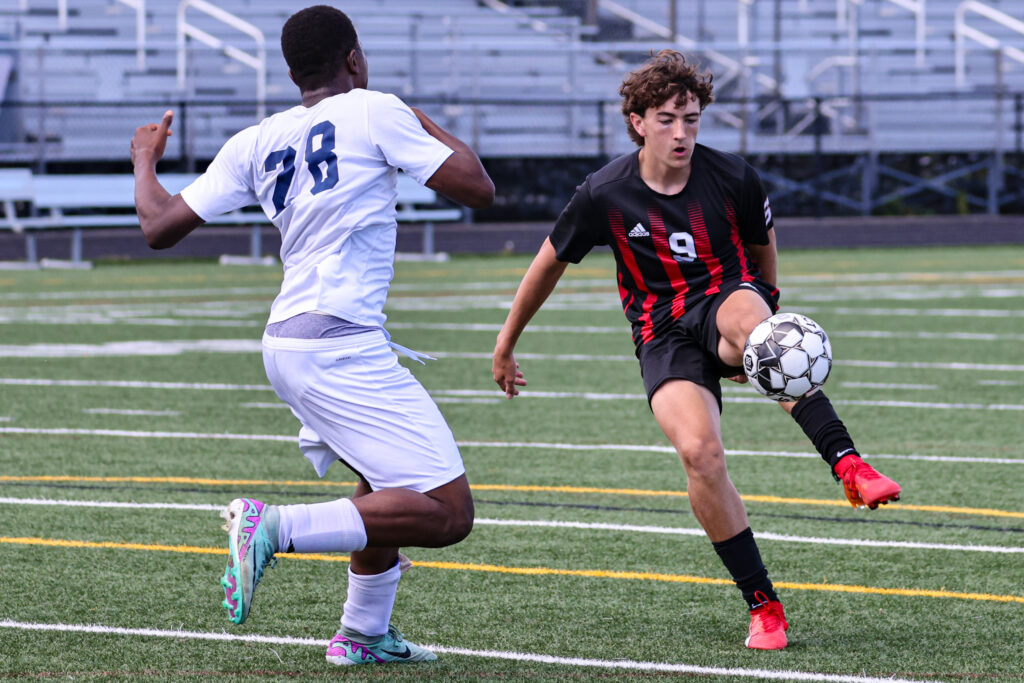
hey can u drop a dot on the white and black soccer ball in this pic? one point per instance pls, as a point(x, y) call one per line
point(787, 356)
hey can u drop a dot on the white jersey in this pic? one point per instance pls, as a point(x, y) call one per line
point(325, 175)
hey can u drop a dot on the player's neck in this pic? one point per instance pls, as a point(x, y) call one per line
point(336, 87)
point(662, 177)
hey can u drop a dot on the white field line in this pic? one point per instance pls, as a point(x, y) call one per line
point(623, 331)
point(171, 348)
point(548, 524)
point(488, 396)
point(140, 293)
point(884, 385)
point(595, 396)
point(125, 411)
point(637, 448)
point(627, 665)
point(937, 278)
point(145, 318)
point(924, 278)
point(918, 312)
point(440, 394)
point(132, 384)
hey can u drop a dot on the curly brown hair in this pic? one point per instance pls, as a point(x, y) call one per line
point(664, 75)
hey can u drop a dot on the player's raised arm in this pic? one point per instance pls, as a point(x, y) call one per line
point(164, 219)
point(538, 283)
point(461, 177)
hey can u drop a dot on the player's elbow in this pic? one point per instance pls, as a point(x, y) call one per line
point(157, 236)
point(481, 195)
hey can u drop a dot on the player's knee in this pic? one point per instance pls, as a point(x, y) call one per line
point(457, 523)
point(702, 457)
point(457, 528)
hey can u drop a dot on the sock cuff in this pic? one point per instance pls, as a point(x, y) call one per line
point(742, 536)
point(808, 402)
point(374, 580)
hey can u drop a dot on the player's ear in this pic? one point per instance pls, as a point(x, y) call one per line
point(353, 61)
point(638, 124)
point(292, 77)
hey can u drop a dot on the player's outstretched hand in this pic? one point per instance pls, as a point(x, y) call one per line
point(507, 374)
point(739, 379)
point(150, 140)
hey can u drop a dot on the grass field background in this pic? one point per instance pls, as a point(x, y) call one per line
point(134, 404)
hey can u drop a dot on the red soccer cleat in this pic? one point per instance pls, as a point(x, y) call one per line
point(863, 485)
point(767, 625)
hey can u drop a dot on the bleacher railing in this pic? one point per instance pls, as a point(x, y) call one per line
point(62, 13)
point(257, 61)
point(140, 30)
point(962, 32)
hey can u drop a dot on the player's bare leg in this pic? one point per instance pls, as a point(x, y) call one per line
point(862, 484)
point(403, 517)
point(689, 416)
point(738, 315)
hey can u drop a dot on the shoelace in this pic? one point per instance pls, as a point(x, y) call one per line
point(769, 614)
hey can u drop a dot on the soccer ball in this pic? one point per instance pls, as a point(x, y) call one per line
point(787, 356)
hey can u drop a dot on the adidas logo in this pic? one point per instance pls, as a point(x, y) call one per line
point(639, 231)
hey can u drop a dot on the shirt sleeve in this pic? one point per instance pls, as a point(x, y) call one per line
point(227, 184)
point(755, 219)
point(577, 229)
point(401, 138)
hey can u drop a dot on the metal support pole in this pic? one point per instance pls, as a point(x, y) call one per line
point(255, 242)
point(428, 238)
point(819, 207)
point(76, 245)
point(186, 143)
point(673, 19)
point(1018, 123)
point(31, 254)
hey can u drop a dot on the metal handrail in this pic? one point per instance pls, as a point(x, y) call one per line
point(140, 30)
point(919, 10)
point(961, 31)
point(916, 7)
point(258, 62)
point(62, 13)
point(661, 31)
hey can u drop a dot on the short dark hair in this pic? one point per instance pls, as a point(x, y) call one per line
point(665, 75)
point(316, 42)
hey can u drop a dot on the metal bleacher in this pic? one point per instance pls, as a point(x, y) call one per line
point(527, 79)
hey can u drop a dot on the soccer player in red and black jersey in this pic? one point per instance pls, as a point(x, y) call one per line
point(692, 234)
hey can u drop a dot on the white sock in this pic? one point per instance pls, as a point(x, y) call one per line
point(371, 597)
point(334, 527)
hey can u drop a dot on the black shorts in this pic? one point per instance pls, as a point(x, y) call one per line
point(688, 349)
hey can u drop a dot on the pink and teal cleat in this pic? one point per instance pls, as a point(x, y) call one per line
point(252, 542)
point(386, 649)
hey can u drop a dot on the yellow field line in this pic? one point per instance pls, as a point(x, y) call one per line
point(527, 571)
point(990, 512)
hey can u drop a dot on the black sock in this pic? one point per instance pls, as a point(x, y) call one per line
point(818, 419)
point(740, 556)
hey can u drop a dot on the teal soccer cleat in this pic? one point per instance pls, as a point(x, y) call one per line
point(252, 542)
point(388, 648)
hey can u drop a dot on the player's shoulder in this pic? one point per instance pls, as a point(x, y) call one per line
point(612, 174)
point(724, 163)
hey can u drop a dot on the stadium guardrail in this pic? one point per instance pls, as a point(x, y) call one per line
point(76, 202)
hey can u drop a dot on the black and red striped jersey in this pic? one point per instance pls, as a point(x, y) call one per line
point(671, 250)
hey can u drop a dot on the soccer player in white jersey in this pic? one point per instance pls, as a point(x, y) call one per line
point(325, 173)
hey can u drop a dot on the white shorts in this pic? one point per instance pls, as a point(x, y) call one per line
point(358, 404)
